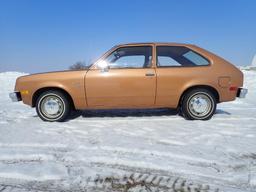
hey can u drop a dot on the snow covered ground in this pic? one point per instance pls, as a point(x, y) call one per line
point(128, 150)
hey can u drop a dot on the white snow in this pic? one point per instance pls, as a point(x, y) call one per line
point(220, 152)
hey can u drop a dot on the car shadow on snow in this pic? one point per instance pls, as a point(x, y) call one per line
point(129, 113)
point(220, 111)
point(122, 113)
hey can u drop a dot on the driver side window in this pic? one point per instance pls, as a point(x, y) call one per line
point(130, 57)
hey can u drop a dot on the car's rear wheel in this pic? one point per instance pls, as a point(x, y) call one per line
point(198, 104)
point(52, 106)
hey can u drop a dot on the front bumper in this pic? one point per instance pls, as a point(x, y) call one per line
point(15, 96)
point(241, 92)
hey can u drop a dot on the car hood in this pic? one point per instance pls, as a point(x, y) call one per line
point(56, 76)
point(52, 73)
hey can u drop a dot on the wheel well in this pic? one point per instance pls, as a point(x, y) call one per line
point(209, 88)
point(40, 91)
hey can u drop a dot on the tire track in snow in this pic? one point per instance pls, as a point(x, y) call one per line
point(123, 165)
point(130, 181)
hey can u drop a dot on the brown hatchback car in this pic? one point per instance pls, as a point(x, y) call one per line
point(141, 75)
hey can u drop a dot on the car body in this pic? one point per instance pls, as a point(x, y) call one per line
point(138, 75)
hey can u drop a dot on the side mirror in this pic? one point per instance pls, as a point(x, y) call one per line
point(103, 66)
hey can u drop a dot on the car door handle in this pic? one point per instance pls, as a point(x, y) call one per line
point(150, 74)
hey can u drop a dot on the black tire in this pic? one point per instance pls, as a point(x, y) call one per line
point(198, 104)
point(52, 101)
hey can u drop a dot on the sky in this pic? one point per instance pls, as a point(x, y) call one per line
point(47, 35)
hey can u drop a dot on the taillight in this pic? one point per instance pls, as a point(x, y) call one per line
point(233, 88)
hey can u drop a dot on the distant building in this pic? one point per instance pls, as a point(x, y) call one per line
point(254, 61)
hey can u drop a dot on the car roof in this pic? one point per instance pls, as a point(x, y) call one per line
point(155, 43)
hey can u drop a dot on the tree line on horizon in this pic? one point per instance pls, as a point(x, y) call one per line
point(79, 65)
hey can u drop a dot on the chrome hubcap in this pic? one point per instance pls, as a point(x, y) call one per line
point(52, 106)
point(200, 105)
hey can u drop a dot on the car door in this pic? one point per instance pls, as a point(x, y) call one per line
point(126, 81)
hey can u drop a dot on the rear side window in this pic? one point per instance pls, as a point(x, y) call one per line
point(173, 56)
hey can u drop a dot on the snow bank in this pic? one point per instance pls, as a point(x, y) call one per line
point(7, 82)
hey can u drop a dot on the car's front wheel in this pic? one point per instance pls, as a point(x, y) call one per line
point(52, 106)
point(198, 104)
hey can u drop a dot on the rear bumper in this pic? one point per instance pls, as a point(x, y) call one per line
point(241, 92)
point(15, 96)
